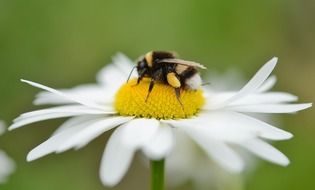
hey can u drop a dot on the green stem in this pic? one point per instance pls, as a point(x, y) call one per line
point(157, 174)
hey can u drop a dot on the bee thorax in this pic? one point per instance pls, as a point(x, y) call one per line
point(149, 59)
point(194, 82)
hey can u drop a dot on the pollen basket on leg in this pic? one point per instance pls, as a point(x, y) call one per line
point(162, 103)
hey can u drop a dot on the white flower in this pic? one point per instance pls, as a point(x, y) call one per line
point(7, 165)
point(220, 125)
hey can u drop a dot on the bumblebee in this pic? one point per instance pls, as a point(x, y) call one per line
point(164, 67)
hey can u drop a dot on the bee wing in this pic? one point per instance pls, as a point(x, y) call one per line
point(182, 62)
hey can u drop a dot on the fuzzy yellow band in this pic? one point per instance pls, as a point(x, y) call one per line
point(161, 104)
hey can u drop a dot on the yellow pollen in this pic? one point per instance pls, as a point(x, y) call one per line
point(161, 104)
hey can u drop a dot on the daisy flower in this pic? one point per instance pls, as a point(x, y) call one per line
point(7, 165)
point(217, 122)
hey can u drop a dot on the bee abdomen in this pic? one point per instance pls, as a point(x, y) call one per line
point(194, 82)
point(190, 77)
point(187, 72)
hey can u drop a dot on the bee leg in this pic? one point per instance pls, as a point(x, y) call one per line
point(139, 79)
point(177, 93)
point(150, 89)
point(141, 75)
point(173, 80)
point(156, 75)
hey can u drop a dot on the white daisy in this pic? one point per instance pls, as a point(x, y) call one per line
point(7, 165)
point(217, 122)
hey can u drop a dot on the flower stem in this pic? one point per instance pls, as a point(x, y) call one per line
point(157, 174)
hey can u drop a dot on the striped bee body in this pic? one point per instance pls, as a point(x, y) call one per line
point(163, 66)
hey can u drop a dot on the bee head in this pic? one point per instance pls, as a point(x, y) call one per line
point(142, 66)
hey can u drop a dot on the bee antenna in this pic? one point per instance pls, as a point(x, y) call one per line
point(206, 84)
point(133, 68)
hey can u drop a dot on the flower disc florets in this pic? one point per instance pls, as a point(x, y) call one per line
point(162, 103)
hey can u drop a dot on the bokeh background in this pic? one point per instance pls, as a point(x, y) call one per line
point(62, 43)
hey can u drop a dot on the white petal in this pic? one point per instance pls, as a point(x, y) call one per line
point(222, 126)
point(219, 151)
point(90, 132)
point(265, 98)
point(138, 132)
point(43, 98)
point(109, 74)
point(255, 98)
point(74, 99)
point(271, 108)
point(50, 145)
point(261, 128)
point(268, 84)
point(258, 79)
point(124, 63)
point(65, 109)
point(34, 119)
point(116, 159)
point(94, 93)
point(57, 112)
point(161, 144)
point(214, 99)
point(232, 127)
point(266, 151)
point(118, 72)
point(74, 121)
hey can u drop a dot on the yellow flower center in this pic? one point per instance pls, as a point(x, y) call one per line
point(161, 104)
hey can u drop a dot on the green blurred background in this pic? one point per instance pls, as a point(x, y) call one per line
point(62, 43)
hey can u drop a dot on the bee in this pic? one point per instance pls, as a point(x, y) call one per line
point(164, 67)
